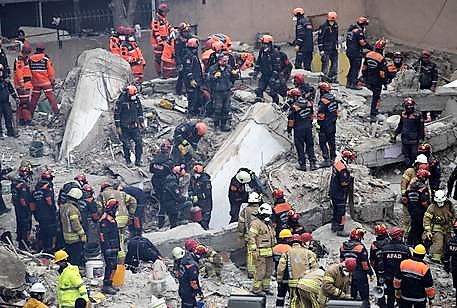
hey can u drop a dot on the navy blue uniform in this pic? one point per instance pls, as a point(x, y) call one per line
point(193, 80)
point(355, 43)
point(45, 212)
point(327, 41)
point(327, 114)
point(304, 41)
point(340, 182)
point(411, 128)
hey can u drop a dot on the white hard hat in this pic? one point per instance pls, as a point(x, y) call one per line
point(178, 253)
point(37, 288)
point(440, 196)
point(265, 209)
point(243, 177)
point(254, 197)
point(421, 159)
point(75, 193)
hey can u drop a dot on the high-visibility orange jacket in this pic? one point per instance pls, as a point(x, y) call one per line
point(114, 45)
point(43, 72)
point(168, 54)
point(160, 28)
point(22, 74)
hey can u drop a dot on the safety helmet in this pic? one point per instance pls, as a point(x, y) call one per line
point(111, 203)
point(105, 185)
point(37, 287)
point(297, 238)
point(243, 177)
point(350, 264)
point(423, 167)
point(331, 16)
point(380, 229)
point(419, 250)
point(396, 233)
point(81, 178)
point(421, 159)
point(294, 92)
point(60, 255)
point(362, 20)
point(254, 197)
point(132, 90)
point(357, 234)
point(409, 102)
point(179, 170)
point(190, 244)
point(306, 237)
point(348, 155)
point(87, 188)
point(285, 233)
point(165, 146)
point(40, 46)
point(440, 197)
point(398, 54)
point(380, 44)
point(266, 39)
point(426, 53)
point(178, 253)
point(424, 148)
point(184, 26)
point(201, 250)
point(163, 8)
point(201, 128)
point(25, 170)
point(294, 216)
point(298, 11)
point(299, 79)
point(277, 193)
point(228, 42)
point(325, 86)
point(217, 46)
point(192, 43)
point(198, 168)
point(265, 209)
point(75, 193)
point(423, 174)
point(26, 48)
point(47, 175)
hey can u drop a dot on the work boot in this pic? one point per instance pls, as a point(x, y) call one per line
point(268, 292)
point(312, 165)
point(139, 163)
point(108, 289)
point(325, 163)
point(341, 233)
point(224, 126)
point(301, 167)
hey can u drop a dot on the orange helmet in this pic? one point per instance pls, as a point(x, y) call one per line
point(423, 167)
point(350, 264)
point(423, 174)
point(87, 188)
point(306, 237)
point(297, 238)
point(396, 233)
point(217, 46)
point(47, 175)
point(209, 42)
point(424, 148)
point(190, 244)
point(105, 185)
point(294, 92)
point(266, 39)
point(299, 79)
point(380, 229)
point(298, 11)
point(295, 216)
point(201, 250)
point(192, 42)
point(426, 53)
point(132, 90)
point(349, 155)
point(325, 86)
point(357, 234)
point(331, 16)
point(198, 168)
point(184, 26)
point(380, 44)
point(179, 170)
point(163, 8)
point(111, 203)
point(201, 128)
point(362, 20)
point(277, 193)
point(26, 48)
point(409, 102)
point(228, 42)
point(81, 178)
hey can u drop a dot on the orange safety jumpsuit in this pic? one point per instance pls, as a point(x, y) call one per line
point(114, 45)
point(168, 56)
point(205, 57)
point(43, 78)
point(160, 29)
point(136, 60)
point(23, 84)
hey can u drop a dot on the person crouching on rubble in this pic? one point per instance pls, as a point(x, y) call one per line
point(37, 292)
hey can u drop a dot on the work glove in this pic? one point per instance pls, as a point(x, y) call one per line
point(194, 199)
point(322, 53)
point(119, 131)
point(428, 235)
point(183, 149)
point(200, 293)
point(297, 48)
point(83, 238)
point(217, 75)
point(179, 67)
point(393, 139)
point(193, 83)
point(346, 296)
point(372, 278)
point(235, 72)
point(255, 75)
point(397, 294)
point(404, 199)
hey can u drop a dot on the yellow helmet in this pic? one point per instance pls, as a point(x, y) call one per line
point(419, 250)
point(60, 255)
point(285, 233)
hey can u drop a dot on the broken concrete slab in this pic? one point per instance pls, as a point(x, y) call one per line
point(244, 96)
point(13, 270)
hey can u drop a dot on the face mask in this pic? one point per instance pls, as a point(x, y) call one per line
point(440, 204)
point(409, 110)
point(346, 273)
point(294, 18)
point(196, 175)
point(133, 97)
point(122, 37)
point(331, 22)
point(267, 219)
point(397, 60)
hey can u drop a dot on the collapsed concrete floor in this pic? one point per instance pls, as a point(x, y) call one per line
point(273, 157)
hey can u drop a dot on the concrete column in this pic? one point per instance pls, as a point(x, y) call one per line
point(40, 14)
point(77, 11)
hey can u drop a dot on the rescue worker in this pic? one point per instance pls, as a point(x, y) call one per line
point(114, 41)
point(36, 299)
point(43, 78)
point(355, 42)
point(168, 55)
point(136, 228)
point(110, 243)
point(45, 211)
point(374, 72)
point(434, 167)
point(413, 283)
point(219, 51)
point(283, 245)
point(73, 232)
point(284, 73)
point(23, 85)
point(200, 192)
point(21, 198)
point(171, 199)
point(140, 249)
point(193, 77)
point(244, 224)
point(392, 254)
point(327, 114)
point(438, 221)
point(186, 137)
point(376, 259)
point(189, 285)
point(3, 173)
point(4, 62)
point(452, 185)
point(353, 248)
point(128, 119)
point(244, 60)
point(240, 186)
point(427, 71)
point(417, 199)
point(178, 254)
point(221, 78)
point(450, 257)
point(411, 128)
point(137, 63)
point(211, 262)
point(307, 91)
point(294, 223)
point(303, 40)
point(300, 120)
point(160, 28)
point(184, 34)
point(6, 90)
point(88, 208)
point(268, 63)
point(398, 61)
point(298, 262)
point(81, 179)
point(261, 241)
point(327, 42)
point(337, 280)
point(340, 184)
point(281, 209)
point(70, 285)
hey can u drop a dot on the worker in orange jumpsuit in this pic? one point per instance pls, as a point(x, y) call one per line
point(115, 42)
point(160, 29)
point(23, 85)
point(168, 55)
point(43, 78)
point(136, 60)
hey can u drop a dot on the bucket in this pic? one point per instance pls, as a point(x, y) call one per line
point(196, 214)
point(119, 276)
point(95, 268)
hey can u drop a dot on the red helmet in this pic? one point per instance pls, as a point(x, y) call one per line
point(325, 86)
point(294, 216)
point(396, 233)
point(350, 264)
point(25, 170)
point(47, 175)
point(299, 79)
point(87, 188)
point(398, 54)
point(266, 39)
point(380, 44)
point(423, 167)
point(380, 229)
point(294, 92)
point(163, 8)
point(201, 128)
point(423, 174)
point(362, 20)
point(217, 46)
point(357, 234)
point(306, 237)
point(424, 148)
point(201, 250)
point(349, 155)
point(298, 11)
point(132, 90)
point(81, 178)
point(184, 26)
point(331, 16)
point(409, 102)
point(179, 170)
point(111, 203)
point(190, 244)
point(297, 238)
point(40, 46)
point(198, 168)
point(426, 53)
point(277, 193)
point(26, 48)
point(105, 185)
point(192, 42)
